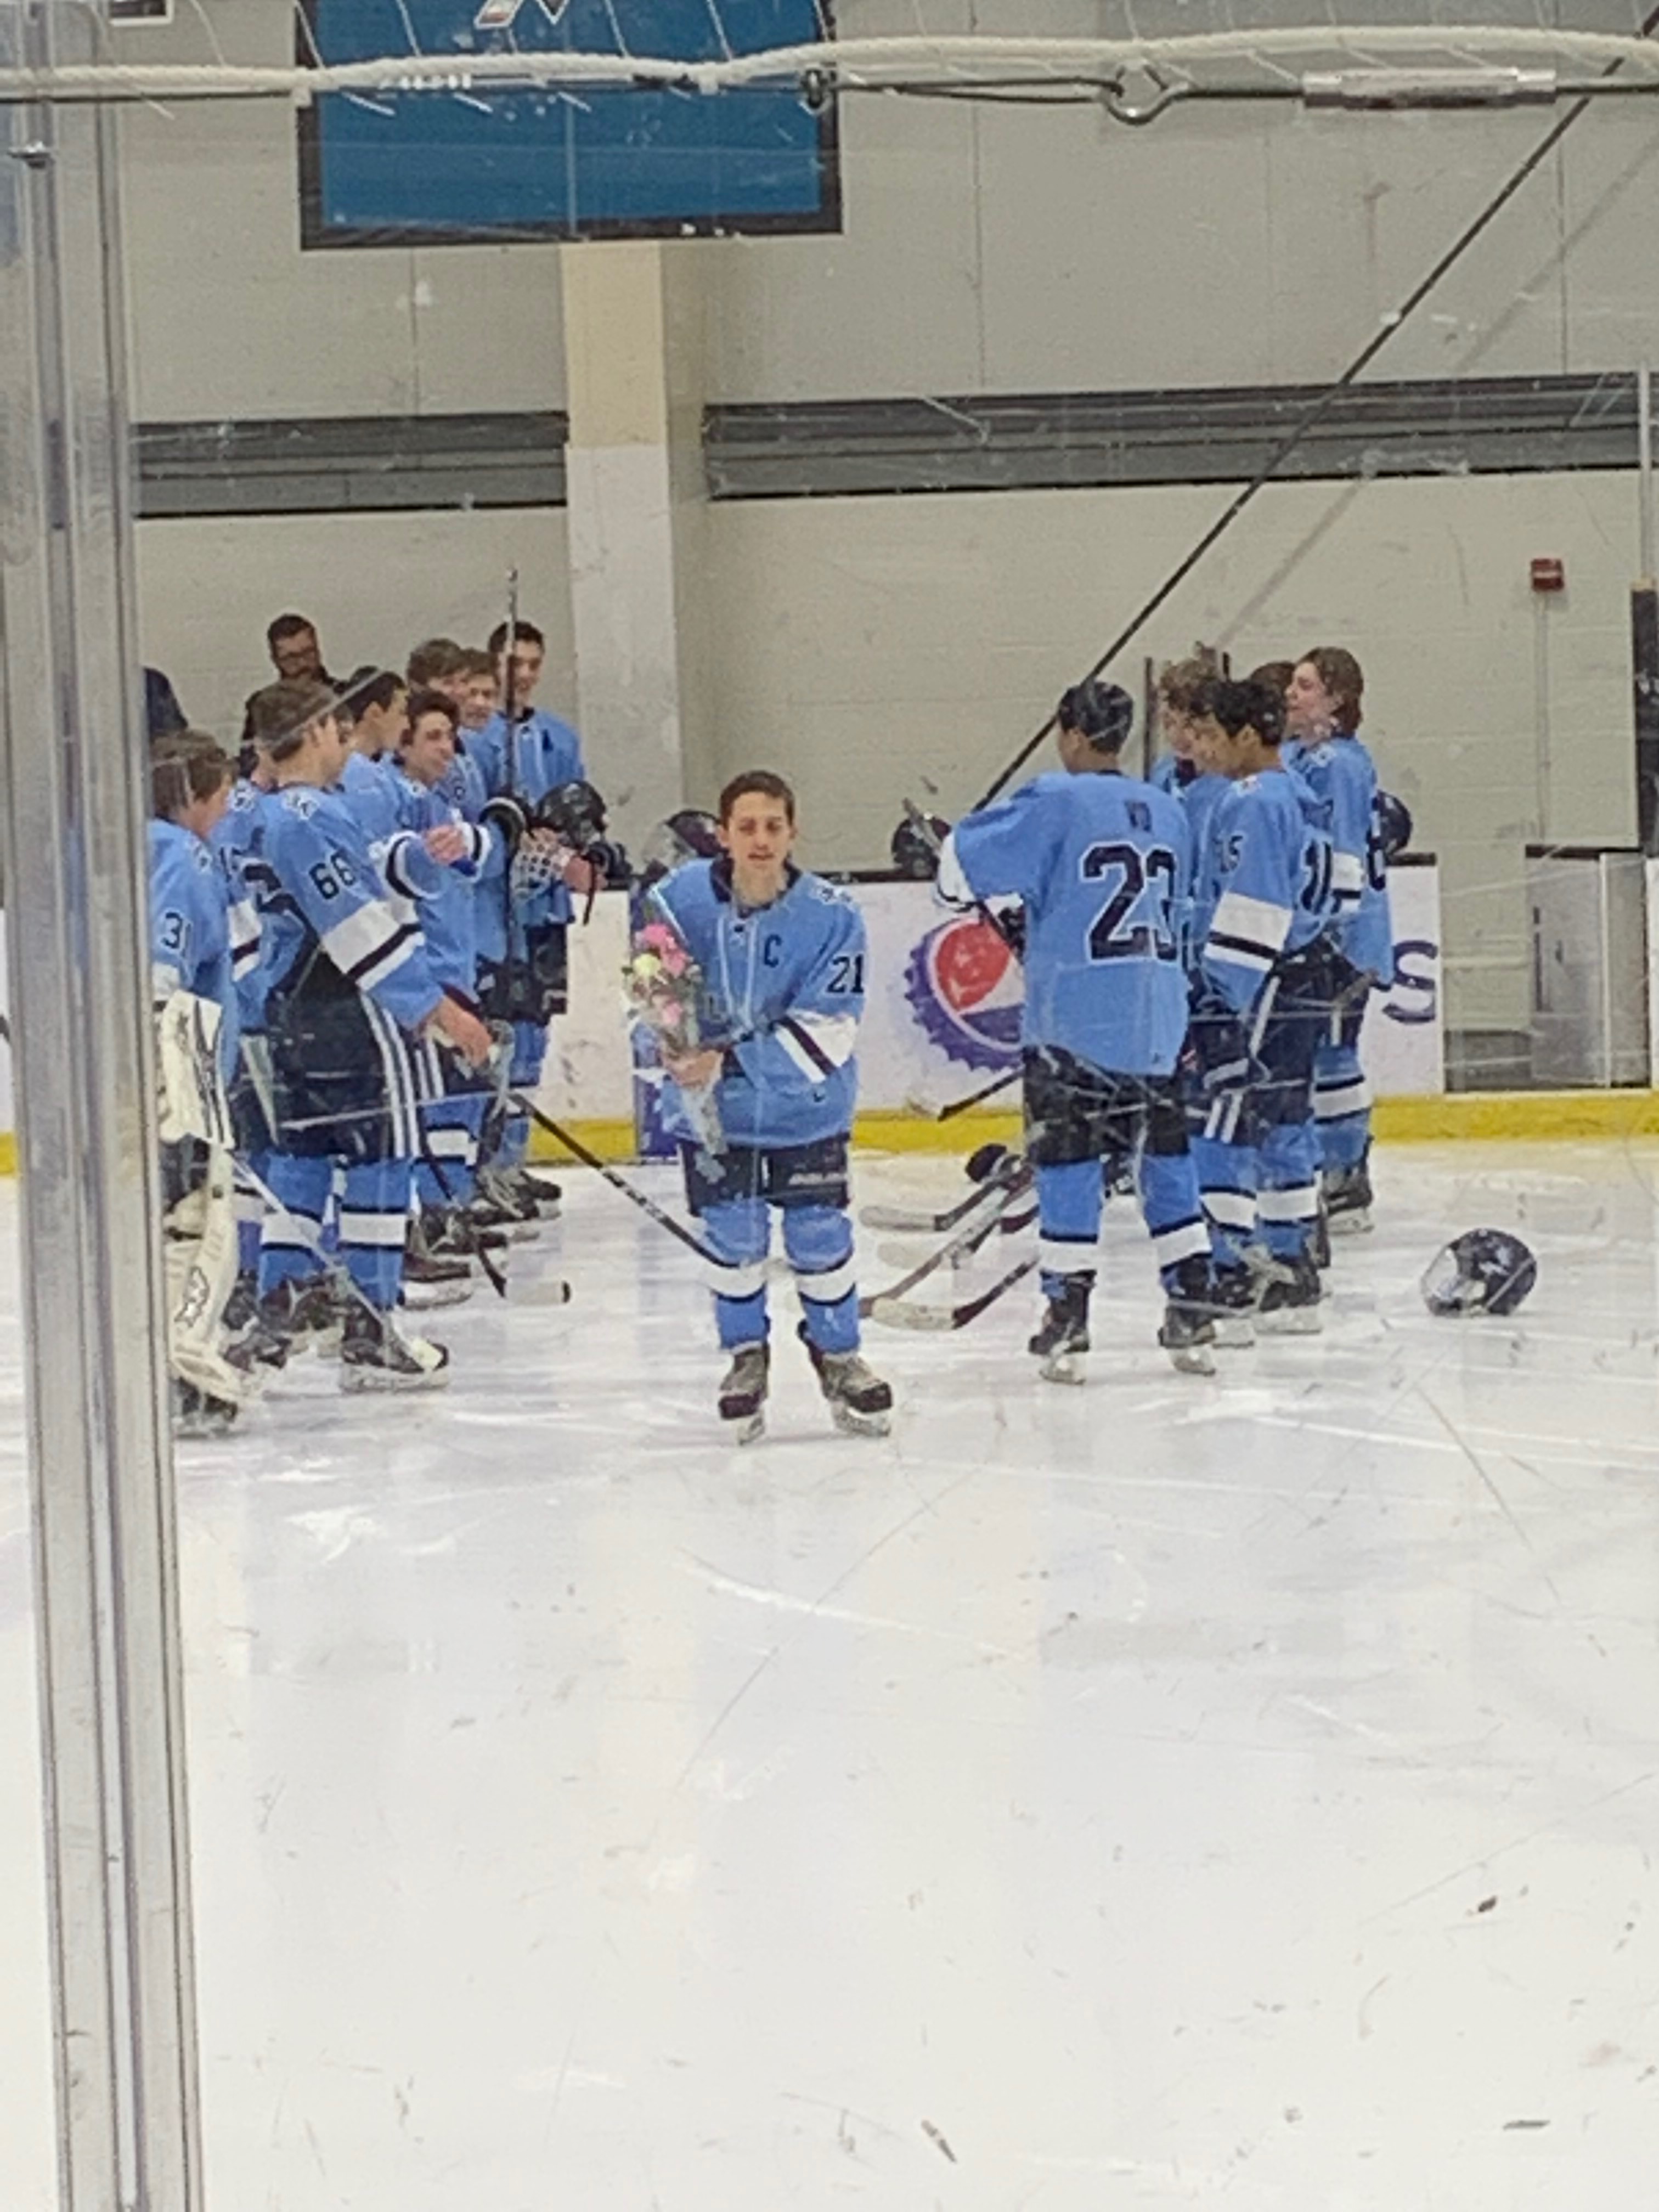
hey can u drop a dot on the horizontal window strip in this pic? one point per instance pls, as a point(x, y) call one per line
point(870, 448)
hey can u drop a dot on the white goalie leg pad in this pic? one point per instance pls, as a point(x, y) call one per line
point(199, 1262)
point(193, 1099)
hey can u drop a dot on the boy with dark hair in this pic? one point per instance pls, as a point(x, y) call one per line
point(781, 956)
point(1261, 989)
point(522, 753)
point(1104, 865)
point(1323, 698)
point(453, 1121)
point(352, 991)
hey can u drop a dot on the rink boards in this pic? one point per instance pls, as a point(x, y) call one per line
point(942, 1012)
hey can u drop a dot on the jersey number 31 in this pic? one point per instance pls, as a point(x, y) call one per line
point(1130, 871)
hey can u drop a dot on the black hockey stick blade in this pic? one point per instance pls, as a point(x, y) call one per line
point(936, 1319)
point(907, 1221)
point(959, 1247)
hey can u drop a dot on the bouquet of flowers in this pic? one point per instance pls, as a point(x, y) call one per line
point(663, 985)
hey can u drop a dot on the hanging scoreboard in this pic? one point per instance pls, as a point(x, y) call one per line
point(480, 164)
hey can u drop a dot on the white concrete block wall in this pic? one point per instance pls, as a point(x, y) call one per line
point(871, 647)
point(229, 320)
point(374, 583)
point(868, 646)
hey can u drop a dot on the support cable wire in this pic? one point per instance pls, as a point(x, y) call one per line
point(1097, 65)
point(1391, 324)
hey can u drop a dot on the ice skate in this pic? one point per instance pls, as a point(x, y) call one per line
point(375, 1355)
point(1319, 1237)
point(860, 1403)
point(429, 1282)
point(242, 1304)
point(1292, 1308)
point(300, 1314)
point(1187, 1333)
point(1232, 1306)
point(538, 1191)
point(1062, 1337)
point(742, 1392)
point(1348, 1198)
point(498, 1206)
point(197, 1414)
point(1188, 1337)
point(452, 1234)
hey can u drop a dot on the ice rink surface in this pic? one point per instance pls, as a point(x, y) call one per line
point(1168, 1792)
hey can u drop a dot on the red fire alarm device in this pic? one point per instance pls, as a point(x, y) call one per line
point(1549, 574)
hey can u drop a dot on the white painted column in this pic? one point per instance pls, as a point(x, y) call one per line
point(634, 486)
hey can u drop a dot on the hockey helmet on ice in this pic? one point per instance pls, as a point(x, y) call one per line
point(1484, 1271)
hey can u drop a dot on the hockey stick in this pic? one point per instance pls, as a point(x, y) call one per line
point(897, 1314)
point(494, 1274)
point(949, 1111)
point(630, 1191)
point(1011, 1172)
point(553, 1293)
point(960, 1247)
point(1005, 1223)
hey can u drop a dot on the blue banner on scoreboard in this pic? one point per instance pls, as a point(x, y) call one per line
point(477, 164)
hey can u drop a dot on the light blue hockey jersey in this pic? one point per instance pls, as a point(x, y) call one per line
point(188, 926)
point(1103, 864)
point(545, 753)
point(235, 840)
point(783, 991)
point(319, 855)
point(1266, 888)
point(1340, 771)
point(448, 914)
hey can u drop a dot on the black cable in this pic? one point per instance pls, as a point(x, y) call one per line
point(1390, 324)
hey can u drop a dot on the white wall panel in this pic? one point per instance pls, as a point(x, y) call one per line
point(374, 583)
point(869, 648)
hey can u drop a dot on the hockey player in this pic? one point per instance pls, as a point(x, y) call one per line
point(523, 754)
point(781, 956)
point(1104, 865)
point(1179, 688)
point(469, 853)
point(194, 1002)
point(481, 698)
point(1261, 989)
point(1322, 703)
point(351, 988)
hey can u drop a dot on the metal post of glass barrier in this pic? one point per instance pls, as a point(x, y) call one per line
point(71, 772)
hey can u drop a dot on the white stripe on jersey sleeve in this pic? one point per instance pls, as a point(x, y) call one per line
point(370, 944)
point(1248, 932)
point(1347, 877)
point(243, 937)
point(818, 1043)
